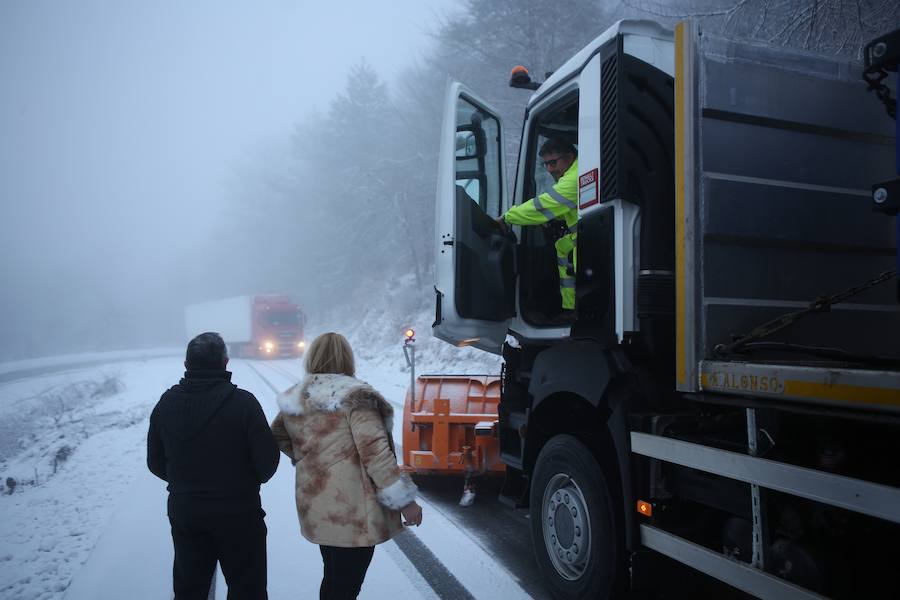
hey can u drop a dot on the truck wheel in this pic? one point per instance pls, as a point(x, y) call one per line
point(572, 529)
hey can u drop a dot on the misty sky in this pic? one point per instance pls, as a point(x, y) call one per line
point(122, 120)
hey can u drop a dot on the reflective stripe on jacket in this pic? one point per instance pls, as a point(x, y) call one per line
point(560, 202)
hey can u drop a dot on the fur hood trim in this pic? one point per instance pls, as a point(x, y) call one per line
point(330, 392)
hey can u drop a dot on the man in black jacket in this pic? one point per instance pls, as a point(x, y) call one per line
point(211, 442)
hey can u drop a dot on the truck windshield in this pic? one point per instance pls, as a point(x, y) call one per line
point(280, 319)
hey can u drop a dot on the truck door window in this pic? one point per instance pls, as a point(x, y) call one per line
point(559, 120)
point(542, 179)
point(478, 148)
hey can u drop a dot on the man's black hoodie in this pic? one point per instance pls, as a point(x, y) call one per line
point(210, 440)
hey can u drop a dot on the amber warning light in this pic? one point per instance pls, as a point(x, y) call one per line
point(519, 78)
point(645, 508)
point(409, 333)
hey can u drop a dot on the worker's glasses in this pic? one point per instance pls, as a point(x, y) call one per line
point(551, 163)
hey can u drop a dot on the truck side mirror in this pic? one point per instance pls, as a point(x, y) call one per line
point(466, 145)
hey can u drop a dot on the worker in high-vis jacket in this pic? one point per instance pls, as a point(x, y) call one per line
point(560, 204)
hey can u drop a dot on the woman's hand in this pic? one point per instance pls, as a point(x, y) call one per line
point(412, 514)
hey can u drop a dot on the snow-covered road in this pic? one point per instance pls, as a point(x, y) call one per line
point(96, 527)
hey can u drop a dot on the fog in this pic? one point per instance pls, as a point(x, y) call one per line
point(158, 154)
point(131, 132)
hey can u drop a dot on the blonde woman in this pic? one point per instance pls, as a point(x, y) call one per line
point(350, 492)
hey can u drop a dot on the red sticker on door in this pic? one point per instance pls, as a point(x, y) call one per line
point(587, 189)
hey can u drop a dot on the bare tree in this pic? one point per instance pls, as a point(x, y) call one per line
point(840, 27)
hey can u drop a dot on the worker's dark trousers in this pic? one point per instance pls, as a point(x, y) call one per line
point(345, 569)
point(238, 542)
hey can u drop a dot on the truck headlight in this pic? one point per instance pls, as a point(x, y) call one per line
point(301, 345)
point(268, 346)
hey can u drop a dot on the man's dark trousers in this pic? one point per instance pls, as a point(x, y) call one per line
point(237, 541)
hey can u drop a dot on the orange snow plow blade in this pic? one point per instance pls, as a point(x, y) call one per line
point(452, 426)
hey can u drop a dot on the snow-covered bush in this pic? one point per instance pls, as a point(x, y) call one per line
point(39, 433)
point(376, 325)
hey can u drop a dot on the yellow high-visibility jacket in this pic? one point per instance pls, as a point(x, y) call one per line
point(560, 202)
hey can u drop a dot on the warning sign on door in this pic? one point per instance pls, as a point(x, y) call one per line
point(587, 189)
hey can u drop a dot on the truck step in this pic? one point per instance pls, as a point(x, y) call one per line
point(514, 492)
point(511, 460)
point(516, 419)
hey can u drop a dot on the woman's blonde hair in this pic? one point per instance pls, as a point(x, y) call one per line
point(330, 353)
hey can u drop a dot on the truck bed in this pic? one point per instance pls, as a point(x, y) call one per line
point(779, 154)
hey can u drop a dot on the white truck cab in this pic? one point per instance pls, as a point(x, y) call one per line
point(482, 290)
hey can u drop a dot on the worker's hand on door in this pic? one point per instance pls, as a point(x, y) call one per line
point(502, 224)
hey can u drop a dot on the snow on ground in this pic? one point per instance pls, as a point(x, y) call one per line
point(52, 520)
point(10, 369)
point(88, 522)
point(375, 330)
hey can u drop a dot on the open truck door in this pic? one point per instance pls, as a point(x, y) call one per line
point(474, 257)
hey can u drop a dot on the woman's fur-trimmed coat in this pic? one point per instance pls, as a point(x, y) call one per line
point(337, 431)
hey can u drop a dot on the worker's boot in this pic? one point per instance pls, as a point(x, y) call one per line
point(468, 497)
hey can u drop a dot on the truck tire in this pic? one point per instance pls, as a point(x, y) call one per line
point(572, 528)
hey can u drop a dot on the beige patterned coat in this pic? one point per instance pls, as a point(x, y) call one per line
point(337, 431)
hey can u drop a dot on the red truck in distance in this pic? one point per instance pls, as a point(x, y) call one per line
point(265, 326)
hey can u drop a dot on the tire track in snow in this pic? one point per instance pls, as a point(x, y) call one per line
point(263, 378)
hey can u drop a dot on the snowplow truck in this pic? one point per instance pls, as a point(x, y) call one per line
point(726, 395)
